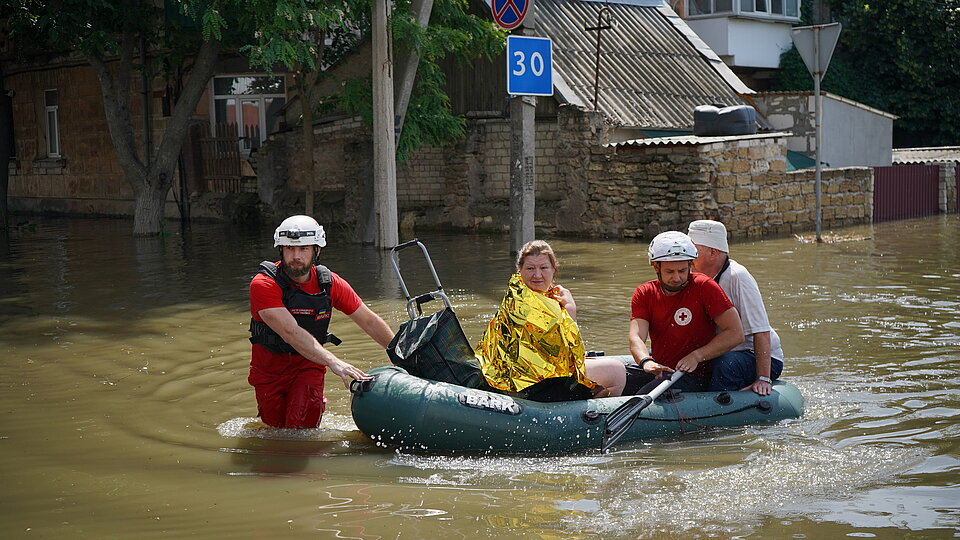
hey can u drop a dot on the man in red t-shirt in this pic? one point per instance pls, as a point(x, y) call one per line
point(291, 302)
point(687, 317)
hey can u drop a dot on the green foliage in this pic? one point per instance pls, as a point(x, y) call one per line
point(333, 28)
point(304, 36)
point(843, 78)
point(898, 56)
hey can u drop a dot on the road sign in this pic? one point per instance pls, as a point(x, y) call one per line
point(509, 13)
point(529, 66)
point(815, 45)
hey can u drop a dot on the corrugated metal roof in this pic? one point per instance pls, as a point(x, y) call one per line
point(653, 69)
point(933, 154)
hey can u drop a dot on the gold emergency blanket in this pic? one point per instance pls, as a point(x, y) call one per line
point(530, 339)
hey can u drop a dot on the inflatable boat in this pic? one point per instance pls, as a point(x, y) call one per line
point(397, 409)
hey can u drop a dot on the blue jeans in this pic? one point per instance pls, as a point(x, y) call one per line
point(738, 369)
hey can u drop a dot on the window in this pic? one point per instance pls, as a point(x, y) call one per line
point(703, 7)
point(51, 100)
point(775, 9)
point(251, 104)
point(792, 8)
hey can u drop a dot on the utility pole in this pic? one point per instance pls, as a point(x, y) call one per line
point(522, 170)
point(599, 28)
point(523, 176)
point(384, 136)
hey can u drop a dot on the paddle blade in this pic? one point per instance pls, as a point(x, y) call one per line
point(622, 419)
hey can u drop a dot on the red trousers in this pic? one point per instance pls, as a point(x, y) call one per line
point(291, 399)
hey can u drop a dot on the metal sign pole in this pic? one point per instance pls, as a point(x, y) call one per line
point(817, 123)
point(816, 55)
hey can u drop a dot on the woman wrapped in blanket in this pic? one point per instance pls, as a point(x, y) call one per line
point(532, 347)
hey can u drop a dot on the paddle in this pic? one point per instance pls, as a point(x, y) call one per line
point(622, 418)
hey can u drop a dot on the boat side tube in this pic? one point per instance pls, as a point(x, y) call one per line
point(399, 410)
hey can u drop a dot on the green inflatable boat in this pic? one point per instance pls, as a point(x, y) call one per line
point(400, 410)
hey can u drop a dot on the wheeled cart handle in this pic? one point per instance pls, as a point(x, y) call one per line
point(414, 304)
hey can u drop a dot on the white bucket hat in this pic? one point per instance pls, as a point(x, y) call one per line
point(710, 233)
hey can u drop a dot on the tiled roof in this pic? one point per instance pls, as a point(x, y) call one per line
point(653, 69)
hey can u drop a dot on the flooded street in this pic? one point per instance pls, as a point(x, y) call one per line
point(123, 397)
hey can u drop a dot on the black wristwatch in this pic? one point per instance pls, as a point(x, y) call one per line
point(646, 359)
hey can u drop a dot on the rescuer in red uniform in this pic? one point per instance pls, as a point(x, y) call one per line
point(291, 303)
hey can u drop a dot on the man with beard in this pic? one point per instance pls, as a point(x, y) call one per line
point(291, 302)
point(686, 315)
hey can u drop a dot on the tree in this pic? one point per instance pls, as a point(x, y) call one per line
point(452, 31)
point(898, 56)
point(124, 38)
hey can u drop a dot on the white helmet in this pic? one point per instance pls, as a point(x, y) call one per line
point(299, 231)
point(671, 246)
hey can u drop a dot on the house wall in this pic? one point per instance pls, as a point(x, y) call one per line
point(844, 141)
point(86, 178)
point(742, 42)
point(853, 136)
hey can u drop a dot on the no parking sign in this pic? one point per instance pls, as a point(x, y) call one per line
point(509, 13)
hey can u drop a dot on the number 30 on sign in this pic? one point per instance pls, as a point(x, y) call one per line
point(529, 66)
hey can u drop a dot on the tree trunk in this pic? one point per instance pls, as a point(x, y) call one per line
point(308, 161)
point(149, 207)
point(6, 150)
point(150, 183)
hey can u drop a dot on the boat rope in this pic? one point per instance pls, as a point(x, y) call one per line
point(690, 419)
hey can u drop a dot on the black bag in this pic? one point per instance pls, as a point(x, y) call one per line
point(434, 347)
point(555, 389)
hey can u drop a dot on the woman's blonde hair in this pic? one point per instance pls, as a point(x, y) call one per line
point(538, 247)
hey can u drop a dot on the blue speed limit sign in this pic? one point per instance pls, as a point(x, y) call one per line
point(529, 66)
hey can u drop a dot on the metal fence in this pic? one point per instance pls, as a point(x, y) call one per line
point(905, 191)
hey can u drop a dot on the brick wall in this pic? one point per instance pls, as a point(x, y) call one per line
point(86, 178)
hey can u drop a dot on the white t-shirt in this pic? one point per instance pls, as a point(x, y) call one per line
point(743, 291)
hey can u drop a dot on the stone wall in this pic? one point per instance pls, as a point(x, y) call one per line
point(584, 187)
point(640, 188)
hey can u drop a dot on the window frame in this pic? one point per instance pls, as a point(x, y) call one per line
point(52, 128)
point(261, 104)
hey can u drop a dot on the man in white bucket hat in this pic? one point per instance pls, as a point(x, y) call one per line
point(758, 361)
point(686, 315)
point(291, 304)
